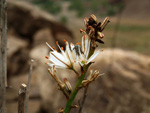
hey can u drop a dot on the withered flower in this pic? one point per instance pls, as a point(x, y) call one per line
point(94, 28)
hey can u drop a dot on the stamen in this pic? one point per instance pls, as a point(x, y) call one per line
point(62, 48)
point(46, 63)
point(65, 41)
point(78, 43)
point(46, 57)
point(54, 48)
point(57, 43)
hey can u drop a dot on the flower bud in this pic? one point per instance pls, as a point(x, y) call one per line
point(68, 85)
point(86, 21)
point(93, 17)
point(101, 35)
point(104, 23)
point(82, 31)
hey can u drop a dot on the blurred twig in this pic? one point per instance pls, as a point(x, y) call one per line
point(4, 40)
point(83, 100)
point(28, 87)
point(113, 41)
point(3, 56)
point(21, 98)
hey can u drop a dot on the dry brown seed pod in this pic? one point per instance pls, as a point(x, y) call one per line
point(92, 16)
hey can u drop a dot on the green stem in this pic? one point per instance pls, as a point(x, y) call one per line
point(75, 91)
point(78, 84)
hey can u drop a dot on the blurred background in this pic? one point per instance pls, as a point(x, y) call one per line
point(125, 88)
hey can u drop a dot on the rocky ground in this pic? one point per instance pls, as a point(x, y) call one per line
point(123, 89)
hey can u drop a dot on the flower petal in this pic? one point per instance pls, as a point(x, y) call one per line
point(57, 59)
point(69, 52)
point(88, 49)
point(63, 53)
point(93, 57)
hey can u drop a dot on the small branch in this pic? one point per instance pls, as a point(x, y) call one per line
point(4, 40)
point(21, 98)
point(28, 87)
point(83, 100)
point(3, 55)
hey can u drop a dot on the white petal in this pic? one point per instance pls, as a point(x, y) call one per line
point(59, 56)
point(57, 59)
point(81, 56)
point(93, 57)
point(63, 53)
point(72, 46)
point(69, 52)
point(87, 50)
point(83, 44)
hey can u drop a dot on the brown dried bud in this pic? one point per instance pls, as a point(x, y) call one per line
point(86, 21)
point(61, 110)
point(100, 34)
point(93, 17)
point(68, 85)
point(82, 31)
point(74, 106)
point(52, 72)
point(104, 23)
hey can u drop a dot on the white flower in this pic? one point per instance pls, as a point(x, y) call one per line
point(82, 54)
point(63, 59)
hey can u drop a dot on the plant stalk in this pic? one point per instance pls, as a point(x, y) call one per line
point(75, 91)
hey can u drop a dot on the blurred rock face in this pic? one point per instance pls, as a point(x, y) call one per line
point(30, 27)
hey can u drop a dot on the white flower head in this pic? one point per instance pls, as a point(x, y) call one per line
point(64, 59)
point(82, 52)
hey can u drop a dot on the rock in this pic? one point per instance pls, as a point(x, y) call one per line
point(29, 27)
point(43, 36)
point(26, 20)
point(14, 44)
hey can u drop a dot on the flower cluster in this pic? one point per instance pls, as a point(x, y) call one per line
point(74, 53)
point(94, 29)
point(81, 54)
